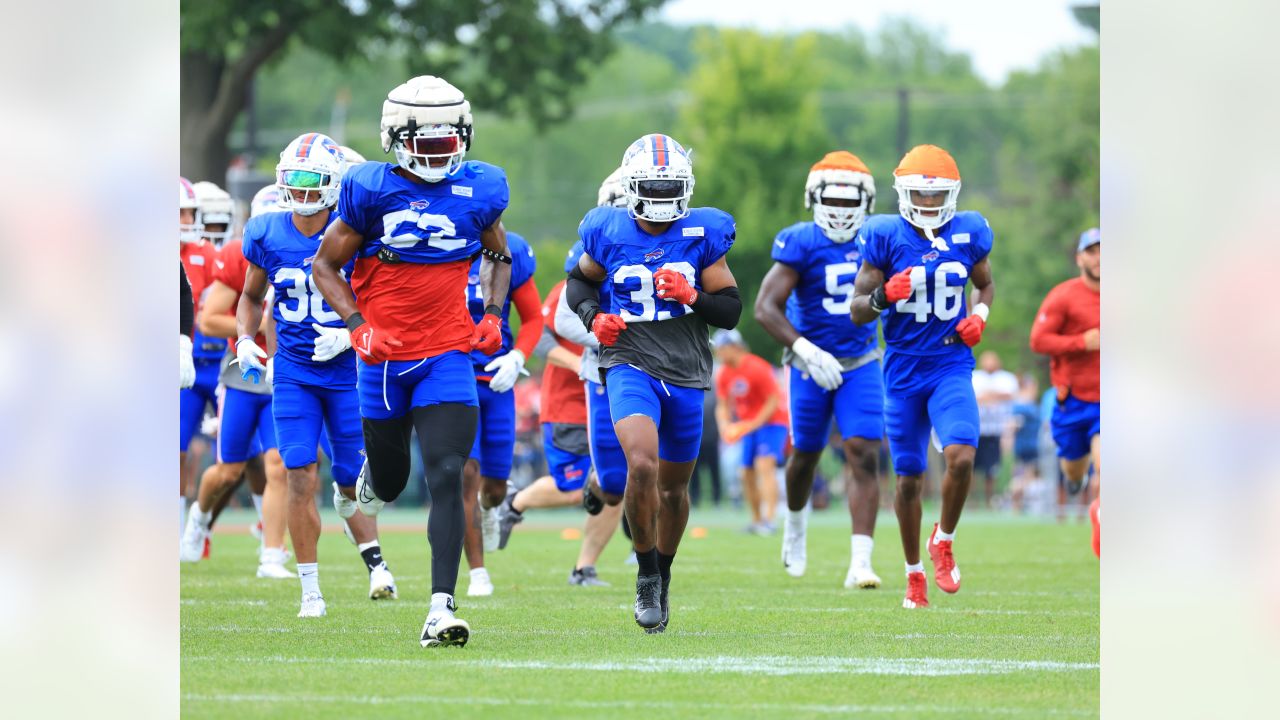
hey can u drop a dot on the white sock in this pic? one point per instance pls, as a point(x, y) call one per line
point(917, 568)
point(202, 517)
point(861, 545)
point(939, 535)
point(797, 520)
point(440, 601)
point(365, 546)
point(479, 573)
point(309, 575)
point(182, 512)
point(257, 504)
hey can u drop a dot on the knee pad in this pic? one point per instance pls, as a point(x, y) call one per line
point(908, 464)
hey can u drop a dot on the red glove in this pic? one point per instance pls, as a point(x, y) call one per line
point(487, 337)
point(898, 287)
point(970, 330)
point(373, 346)
point(672, 285)
point(607, 327)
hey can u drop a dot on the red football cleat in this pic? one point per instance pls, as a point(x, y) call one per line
point(1095, 516)
point(205, 555)
point(945, 572)
point(917, 591)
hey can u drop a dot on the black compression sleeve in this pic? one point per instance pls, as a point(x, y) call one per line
point(721, 308)
point(186, 310)
point(583, 295)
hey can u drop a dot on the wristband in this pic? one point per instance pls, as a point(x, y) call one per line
point(495, 256)
point(242, 338)
point(879, 301)
point(493, 310)
point(354, 320)
point(981, 310)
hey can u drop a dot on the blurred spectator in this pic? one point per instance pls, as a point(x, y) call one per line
point(996, 389)
point(1026, 444)
point(708, 456)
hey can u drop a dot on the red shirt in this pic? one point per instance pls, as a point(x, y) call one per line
point(231, 267)
point(423, 305)
point(1068, 311)
point(749, 385)
point(198, 260)
point(563, 398)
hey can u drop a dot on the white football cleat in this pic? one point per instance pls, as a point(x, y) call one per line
point(489, 529)
point(441, 627)
point(794, 554)
point(312, 606)
point(271, 564)
point(345, 506)
point(194, 535)
point(861, 575)
point(382, 586)
point(480, 585)
point(368, 503)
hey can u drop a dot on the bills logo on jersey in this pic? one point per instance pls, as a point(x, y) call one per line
point(738, 388)
point(308, 261)
point(930, 256)
point(654, 255)
point(418, 204)
point(572, 473)
point(852, 255)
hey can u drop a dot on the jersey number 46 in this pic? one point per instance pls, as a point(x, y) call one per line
point(947, 298)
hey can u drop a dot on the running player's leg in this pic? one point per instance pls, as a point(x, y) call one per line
point(275, 493)
point(811, 408)
point(236, 428)
point(679, 441)
point(445, 434)
point(298, 417)
point(609, 482)
point(190, 411)
point(770, 452)
point(748, 481)
point(596, 533)
point(859, 411)
point(473, 541)
point(387, 426)
point(907, 427)
point(953, 409)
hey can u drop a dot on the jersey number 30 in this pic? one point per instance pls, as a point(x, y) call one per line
point(947, 298)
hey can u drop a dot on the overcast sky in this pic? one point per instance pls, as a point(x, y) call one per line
point(1000, 35)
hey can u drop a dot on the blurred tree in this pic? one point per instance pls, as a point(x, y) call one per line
point(524, 55)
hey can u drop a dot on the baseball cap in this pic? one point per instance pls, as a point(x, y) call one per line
point(1088, 239)
point(726, 337)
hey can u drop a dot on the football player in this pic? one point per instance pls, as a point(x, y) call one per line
point(198, 263)
point(804, 303)
point(314, 373)
point(928, 253)
point(215, 212)
point(484, 477)
point(414, 227)
point(747, 381)
point(1068, 329)
point(663, 266)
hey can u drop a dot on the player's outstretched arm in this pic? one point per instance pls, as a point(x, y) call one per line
point(215, 318)
point(339, 244)
point(870, 278)
point(719, 302)
point(771, 303)
point(249, 310)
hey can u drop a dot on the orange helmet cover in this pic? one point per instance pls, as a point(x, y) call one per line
point(928, 160)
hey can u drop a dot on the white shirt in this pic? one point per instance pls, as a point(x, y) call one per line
point(994, 417)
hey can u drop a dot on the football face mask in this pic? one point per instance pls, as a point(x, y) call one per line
point(432, 152)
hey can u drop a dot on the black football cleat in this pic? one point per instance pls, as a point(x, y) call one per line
point(649, 603)
point(590, 501)
point(666, 614)
point(508, 518)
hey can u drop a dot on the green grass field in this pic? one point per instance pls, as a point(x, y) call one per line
point(746, 640)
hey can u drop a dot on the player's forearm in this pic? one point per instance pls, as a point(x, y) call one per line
point(219, 325)
point(562, 358)
point(766, 413)
point(495, 281)
point(1052, 343)
point(860, 310)
point(584, 296)
point(722, 415)
point(721, 309)
point(774, 321)
point(248, 316)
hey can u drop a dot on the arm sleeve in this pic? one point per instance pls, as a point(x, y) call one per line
point(721, 309)
point(1046, 337)
point(527, 303)
point(186, 308)
point(569, 326)
point(584, 296)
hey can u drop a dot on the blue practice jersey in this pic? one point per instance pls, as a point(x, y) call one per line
point(667, 339)
point(523, 265)
point(916, 329)
point(818, 307)
point(274, 243)
point(422, 222)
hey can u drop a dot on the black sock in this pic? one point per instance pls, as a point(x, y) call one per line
point(372, 557)
point(648, 561)
point(664, 566)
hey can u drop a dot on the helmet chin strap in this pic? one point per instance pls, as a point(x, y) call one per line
point(937, 242)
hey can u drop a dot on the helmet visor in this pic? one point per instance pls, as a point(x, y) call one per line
point(303, 179)
point(661, 189)
point(428, 146)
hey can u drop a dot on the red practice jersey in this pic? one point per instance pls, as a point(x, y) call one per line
point(423, 305)
point(1068, 311)
point(231, 269)
point(563, 398)
point(198, 260)
point(749, 385)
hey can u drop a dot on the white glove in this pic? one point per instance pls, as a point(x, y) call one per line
point(271, 370)
point(186, 366)
point(823, 367)
point(330, 342)
point(249, 357)
point(505, 369)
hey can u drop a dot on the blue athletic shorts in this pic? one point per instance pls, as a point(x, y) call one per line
point(606, 452)
point(950, 407)
point(245, 426)
point(858, 407)
point(768, 440)
point(676, 410)
point(568, 469)
point(392, 388)
point(301, 410)
point(1074, 424)
point(495, 444)
point(192, 401)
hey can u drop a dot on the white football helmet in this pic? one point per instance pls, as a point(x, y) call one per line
point(925, 172)
point(312, 166)
point(840, 175)
point(214, 207)
point(657, 175)
point(353, 158)
point(427, 122)
point(188, 232)
point(612, 192)
point(266, 200)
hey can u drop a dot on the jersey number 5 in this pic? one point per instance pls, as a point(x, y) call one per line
point(302, 287)
point(840, 294)
point(644, 296)
point(947, 298)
